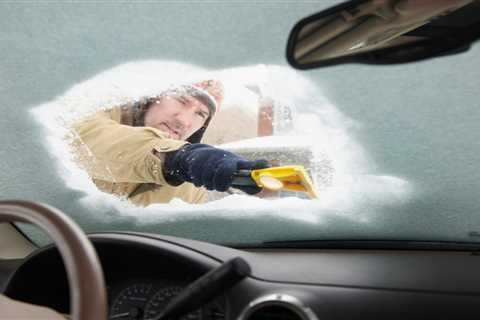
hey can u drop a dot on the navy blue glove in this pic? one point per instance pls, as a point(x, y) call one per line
point(207, 166)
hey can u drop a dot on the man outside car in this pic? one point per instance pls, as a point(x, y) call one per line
point(150, 151)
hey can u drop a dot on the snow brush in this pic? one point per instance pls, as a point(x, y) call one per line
point(291, 178)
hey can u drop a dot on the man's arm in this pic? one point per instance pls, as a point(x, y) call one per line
point(121, 153)
point(113, 152)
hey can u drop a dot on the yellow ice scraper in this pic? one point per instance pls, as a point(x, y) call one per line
point(292, 178)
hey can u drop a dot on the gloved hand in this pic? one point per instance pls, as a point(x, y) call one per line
point(207, 166)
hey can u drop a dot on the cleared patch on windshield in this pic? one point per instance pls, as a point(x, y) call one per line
point(265, 112)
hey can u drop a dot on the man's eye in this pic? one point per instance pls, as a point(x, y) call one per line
point(202, 114)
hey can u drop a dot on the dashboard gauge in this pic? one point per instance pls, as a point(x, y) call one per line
point(130, 303)
point(160, 300)
point(214, 310)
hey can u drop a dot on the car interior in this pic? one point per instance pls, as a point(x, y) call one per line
point(127, 274)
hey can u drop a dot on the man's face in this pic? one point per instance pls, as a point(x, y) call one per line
point(179, 116)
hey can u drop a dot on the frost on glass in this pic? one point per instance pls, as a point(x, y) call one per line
point(268, 112)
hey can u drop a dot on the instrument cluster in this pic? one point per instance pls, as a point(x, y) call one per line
point(144, 299)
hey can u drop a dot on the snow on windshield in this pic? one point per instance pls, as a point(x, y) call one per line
point(345, 174)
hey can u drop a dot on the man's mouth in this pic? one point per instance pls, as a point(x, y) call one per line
point(174, 133)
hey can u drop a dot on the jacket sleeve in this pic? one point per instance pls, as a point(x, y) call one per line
point(114, 152)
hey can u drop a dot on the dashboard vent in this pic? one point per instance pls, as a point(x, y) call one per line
point(274, 313)
point(277, 307)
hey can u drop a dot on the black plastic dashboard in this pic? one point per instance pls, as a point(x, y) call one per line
point(144, 271)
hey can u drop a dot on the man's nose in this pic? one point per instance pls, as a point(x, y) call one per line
point(183, 120)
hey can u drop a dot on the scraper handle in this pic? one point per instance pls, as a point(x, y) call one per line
point(243, 178)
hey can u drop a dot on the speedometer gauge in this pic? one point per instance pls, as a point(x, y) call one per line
point(130, 303)
point(160, 300)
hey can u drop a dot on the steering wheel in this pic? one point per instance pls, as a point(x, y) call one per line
point(88, 298)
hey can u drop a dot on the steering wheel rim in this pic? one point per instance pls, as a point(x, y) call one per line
point(88, 297)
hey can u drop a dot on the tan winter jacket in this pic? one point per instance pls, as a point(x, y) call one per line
point(126, 160)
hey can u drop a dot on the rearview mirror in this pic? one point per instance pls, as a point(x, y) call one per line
point(384, 32)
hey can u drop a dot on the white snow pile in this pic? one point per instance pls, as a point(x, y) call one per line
point(355, 188)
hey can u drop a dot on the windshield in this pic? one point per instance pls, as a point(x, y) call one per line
point(391, 151)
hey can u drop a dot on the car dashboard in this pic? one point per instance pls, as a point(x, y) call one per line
point(143, 272)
